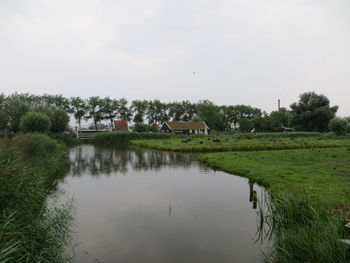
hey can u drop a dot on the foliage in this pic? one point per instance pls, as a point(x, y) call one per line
point(234, 113)
point(305, 231)
point(124, 113)
point(78, 108)
point(279, 119)
point(144, 128)
point(58, 117)
point(139, 108)
point(109, 109)
point(14, 109)
point(31, 231)
point(156, 112)
point(338, 125)
point(211, 115)
point(94, 110)
point(245, 125)
point(312, 112)
point(35, 122)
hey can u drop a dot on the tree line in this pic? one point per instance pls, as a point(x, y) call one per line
point(311, 113)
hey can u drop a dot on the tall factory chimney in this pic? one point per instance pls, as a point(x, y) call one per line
point(279, 104)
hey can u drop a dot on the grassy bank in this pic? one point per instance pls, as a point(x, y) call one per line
point(322, 173)
point(309, 182)
point(30, 231)
point(310, 189)
point(228, 143)
point(112, 138)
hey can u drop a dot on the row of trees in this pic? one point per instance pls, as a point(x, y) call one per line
point(311, 113)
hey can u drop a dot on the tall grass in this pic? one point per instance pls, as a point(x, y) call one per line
point(305, 231)
point(113, 138)
point(30, 230)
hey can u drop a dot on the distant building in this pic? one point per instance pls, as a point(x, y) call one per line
point(181, 127)
point(121, 126)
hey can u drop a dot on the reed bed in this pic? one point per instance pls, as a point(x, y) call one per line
point(30, 230)
point(305, 231)
point(113, 138)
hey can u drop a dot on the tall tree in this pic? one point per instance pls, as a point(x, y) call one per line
point(156, 112)
point(14, 109)
point(189, 109)
point(234, 113)
point(78, 108)
point(312, 112)
point(211, 115)
point(94, 110)
point(139, 109)
point(279, 119)
point(176, 111)
point(124, 112)
point(109, 109)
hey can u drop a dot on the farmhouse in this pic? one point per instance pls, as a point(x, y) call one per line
point(121, 126)
point(181, 127)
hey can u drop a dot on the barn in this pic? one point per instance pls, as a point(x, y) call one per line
point(182, 127)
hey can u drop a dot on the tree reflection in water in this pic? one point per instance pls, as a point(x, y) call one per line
point(101, 160)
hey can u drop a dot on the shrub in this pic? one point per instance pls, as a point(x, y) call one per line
point(58, 117)
point(245, 125)
point(35, 122)
point(338, 125)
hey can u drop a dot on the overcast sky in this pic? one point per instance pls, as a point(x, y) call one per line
point(228, 51)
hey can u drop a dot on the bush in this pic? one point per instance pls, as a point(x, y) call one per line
point(338, 125)
point(35, 122)
point(58, 117)
point(245, 125)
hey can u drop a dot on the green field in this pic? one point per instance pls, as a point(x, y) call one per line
point(320, 173)
point(229, 143)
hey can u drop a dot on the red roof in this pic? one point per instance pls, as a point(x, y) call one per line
point(188, 125)
point(121, 126)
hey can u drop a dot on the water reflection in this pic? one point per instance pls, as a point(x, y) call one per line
point(146, 206)
point(96, 160)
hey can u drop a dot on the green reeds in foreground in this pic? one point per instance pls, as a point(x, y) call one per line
point(30, 229)
point(305, 231)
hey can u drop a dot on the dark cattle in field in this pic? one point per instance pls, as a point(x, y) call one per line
point(216, 140)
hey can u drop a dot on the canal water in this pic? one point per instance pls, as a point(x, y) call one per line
point(146, 206)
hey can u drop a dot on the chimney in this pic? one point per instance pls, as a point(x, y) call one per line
point(279, 104)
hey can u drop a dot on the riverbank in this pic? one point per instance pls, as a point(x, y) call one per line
point(227, 143)
point(31, 230)
point(310, 191)
point(309, 181)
